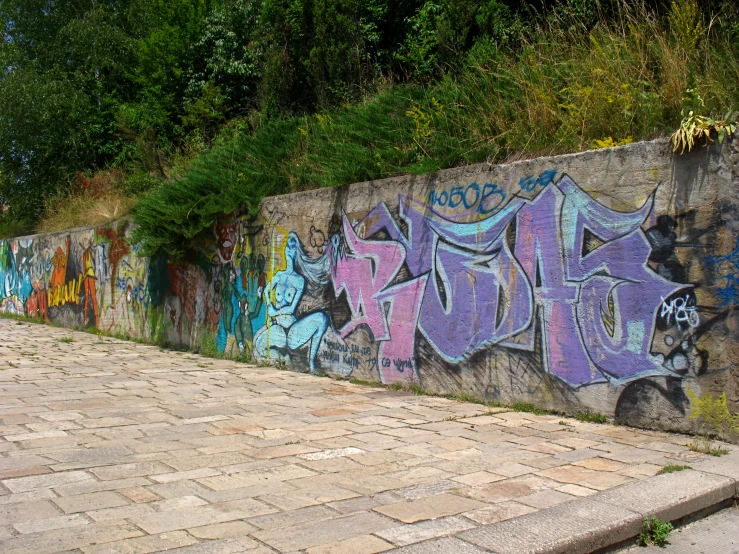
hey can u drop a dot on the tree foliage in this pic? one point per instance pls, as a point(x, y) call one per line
point(144, 86)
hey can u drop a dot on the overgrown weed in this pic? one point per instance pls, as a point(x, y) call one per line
point(654, 532)
point(712, 414)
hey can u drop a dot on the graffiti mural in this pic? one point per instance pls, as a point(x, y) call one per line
point(532, 289)
point(549, 289)
point(575, 266)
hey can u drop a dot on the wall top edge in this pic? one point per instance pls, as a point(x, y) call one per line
point(70, 230)
point(661, 142)
point(658, 143)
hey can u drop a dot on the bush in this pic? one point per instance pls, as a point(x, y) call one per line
point(230, 176)
point(14, 227)
point(139, 182)
point(434, 84)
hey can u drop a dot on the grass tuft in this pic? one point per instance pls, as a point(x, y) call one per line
point(672, 468)
point(354, 381)
point(591, 417)
point(21, 318)
point(466, 397)
point(705, 446)
point(413, 388)
point(416, 389)
point(520, 406)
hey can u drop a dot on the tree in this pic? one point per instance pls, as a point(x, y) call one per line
point(227, 56)
point(64, 69)
point(43, 136)
point(442, 32)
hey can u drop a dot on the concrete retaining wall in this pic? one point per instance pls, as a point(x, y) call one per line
point(606, 280)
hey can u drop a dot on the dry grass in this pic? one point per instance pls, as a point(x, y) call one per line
point(81, 208)
point(625, 80)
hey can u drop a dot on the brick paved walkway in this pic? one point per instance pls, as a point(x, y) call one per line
point(112, 446)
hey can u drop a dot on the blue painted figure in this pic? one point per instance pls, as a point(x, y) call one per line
point(284, 331)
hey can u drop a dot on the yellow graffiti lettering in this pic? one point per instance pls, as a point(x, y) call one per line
point(69, 293)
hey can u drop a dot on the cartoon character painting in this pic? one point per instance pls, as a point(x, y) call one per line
point(90, 292)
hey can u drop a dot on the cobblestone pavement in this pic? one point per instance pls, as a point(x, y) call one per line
point(111, 446)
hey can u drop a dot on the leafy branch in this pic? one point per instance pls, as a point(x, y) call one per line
point(696, 128)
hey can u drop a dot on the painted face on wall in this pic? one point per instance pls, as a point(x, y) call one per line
point(226, 237)
point(291, 248)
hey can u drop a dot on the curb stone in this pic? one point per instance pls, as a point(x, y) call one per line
point(602, 520)
point(671, 496)
point(727, 466)
point(448, 545)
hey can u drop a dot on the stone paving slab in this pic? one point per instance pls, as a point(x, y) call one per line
point(726, 466)
point(110, 446)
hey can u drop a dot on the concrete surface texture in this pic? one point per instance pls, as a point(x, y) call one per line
point(113, 446)
point(602, 281)
point(717, 534)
